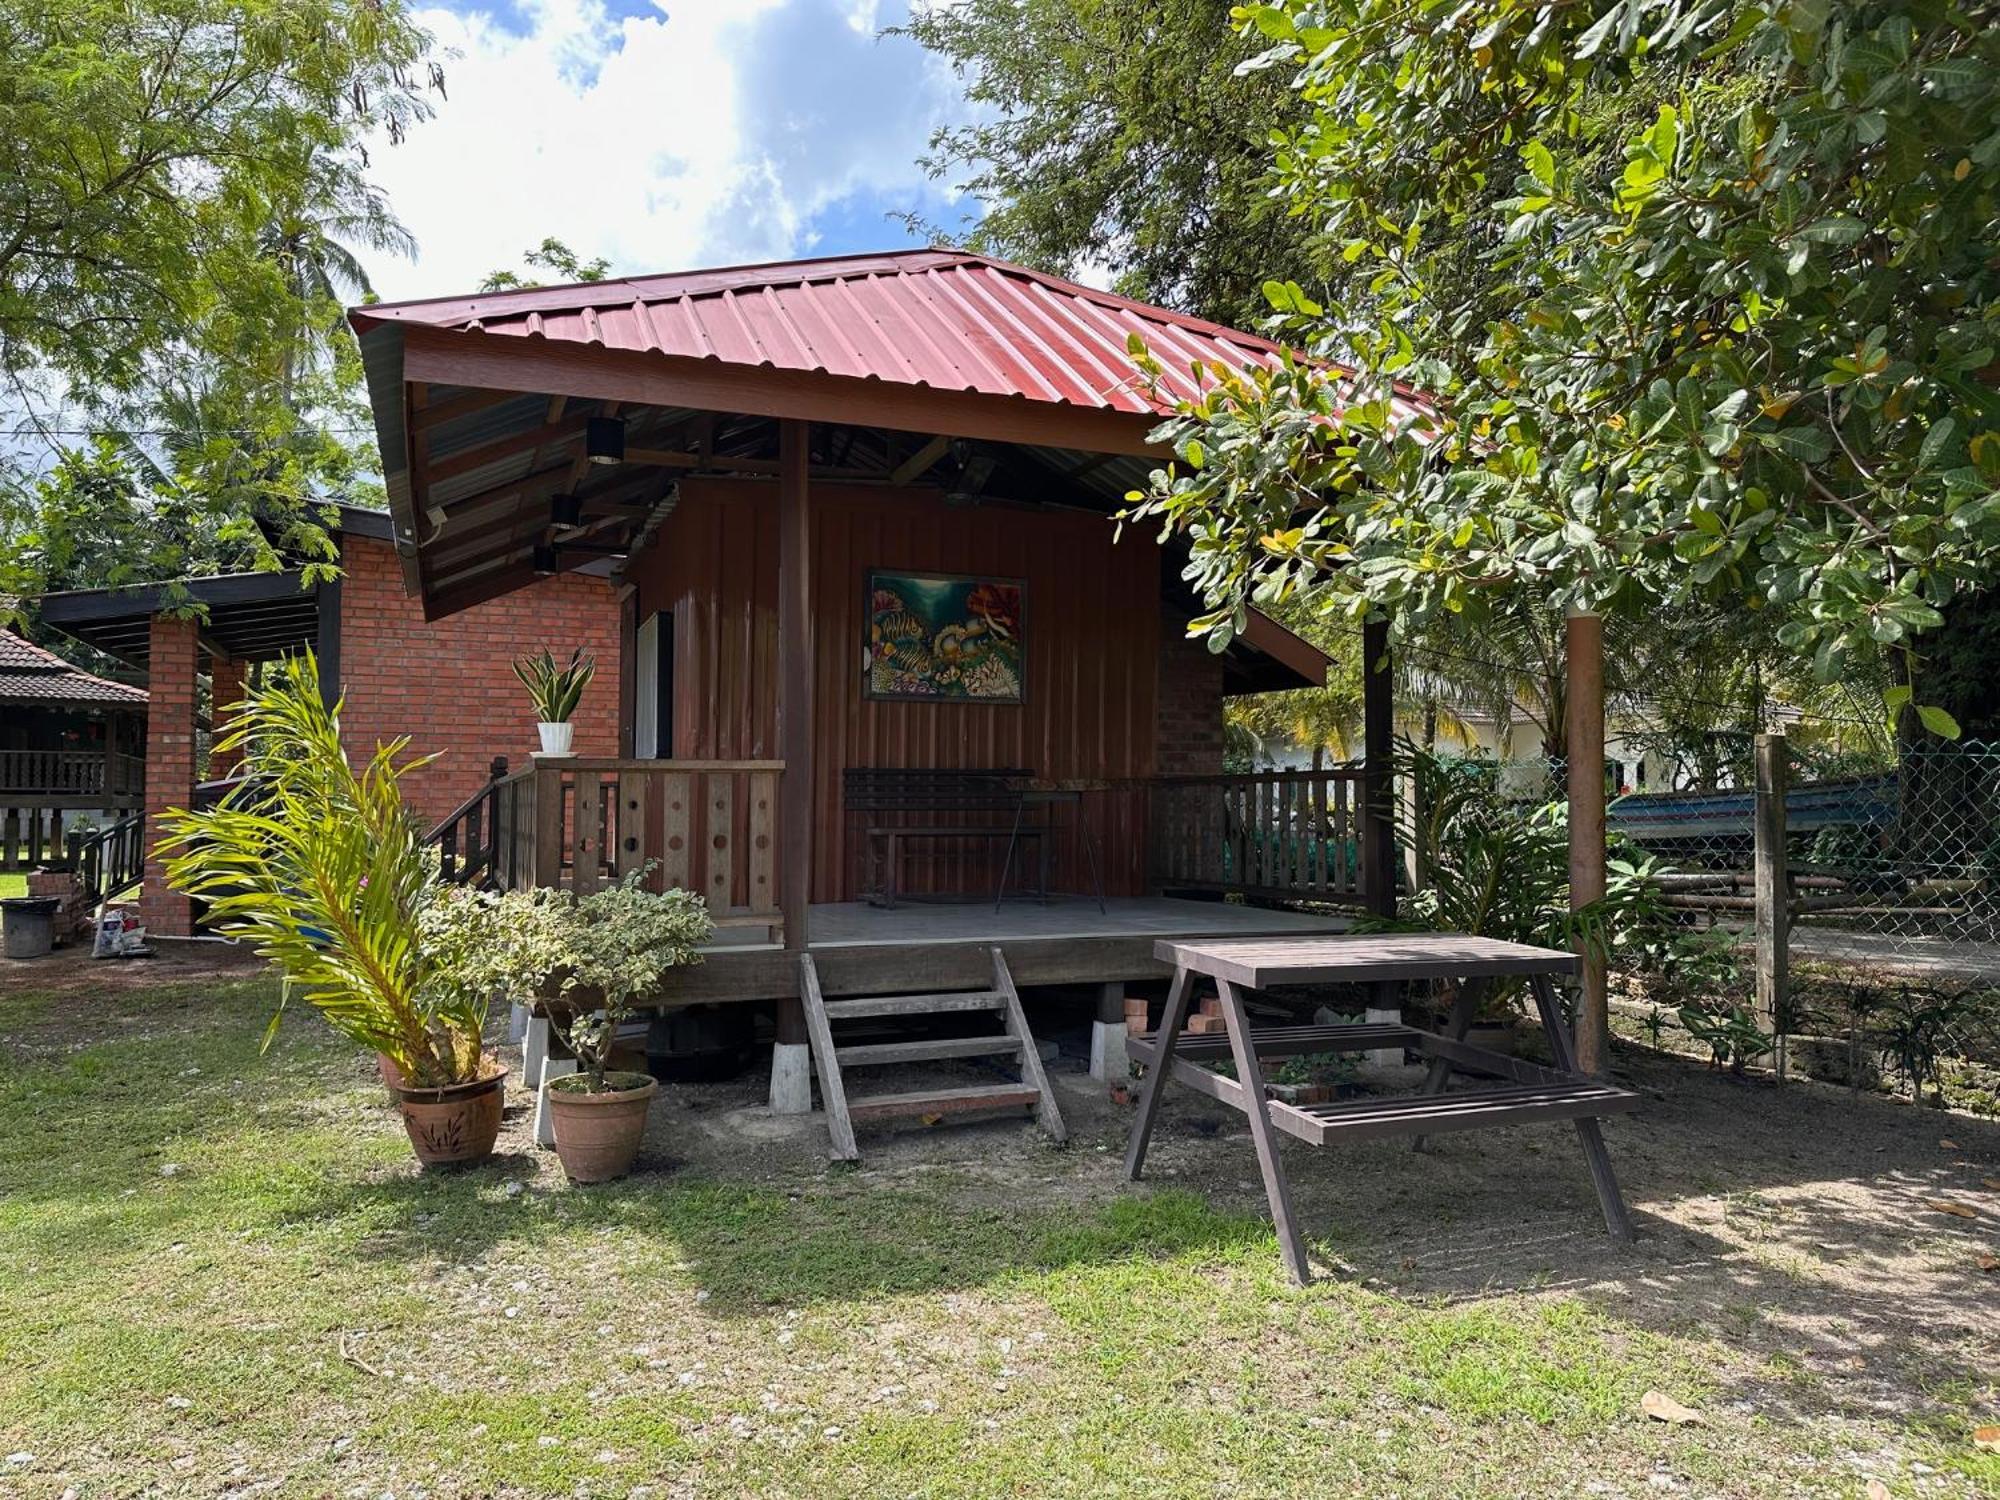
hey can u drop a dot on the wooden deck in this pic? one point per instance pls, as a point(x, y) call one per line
point(860, 949)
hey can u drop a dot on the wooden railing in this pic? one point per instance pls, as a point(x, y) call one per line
point(72, 773)
point(109, 860)
point(579, 822)
point(1284, 835)
point(31, 832)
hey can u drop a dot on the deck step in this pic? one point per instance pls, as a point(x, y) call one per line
point(958, 1101)
point(1012, 1041)
point(875, 1053)
point(914, 1005)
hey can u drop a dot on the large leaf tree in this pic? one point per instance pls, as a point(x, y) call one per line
point(186, 182)
point(1740, 355)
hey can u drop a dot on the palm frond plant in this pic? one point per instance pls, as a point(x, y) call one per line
point(1491, 867)
point(555, 690)
point(321, 868)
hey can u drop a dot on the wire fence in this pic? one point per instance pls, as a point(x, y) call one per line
point(1878, 901)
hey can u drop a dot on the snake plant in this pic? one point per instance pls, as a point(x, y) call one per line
point(555, 690)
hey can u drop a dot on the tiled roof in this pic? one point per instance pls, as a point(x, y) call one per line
point(28, 674)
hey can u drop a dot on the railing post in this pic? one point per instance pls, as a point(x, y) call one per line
point(1774, 894)
point(1378, 828)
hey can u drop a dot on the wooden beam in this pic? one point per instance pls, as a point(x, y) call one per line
point(463, 405)
point(1584, 636)
point(549, 434)
point(920, 462)
point(502, 581)
point(795, 677)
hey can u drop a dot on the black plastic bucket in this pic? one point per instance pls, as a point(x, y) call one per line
point(28, 925)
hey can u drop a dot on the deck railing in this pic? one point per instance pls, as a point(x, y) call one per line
point(578, 823)
point(1278, 835)
point(71, 773)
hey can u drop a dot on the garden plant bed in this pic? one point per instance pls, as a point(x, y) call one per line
point(227, 1272)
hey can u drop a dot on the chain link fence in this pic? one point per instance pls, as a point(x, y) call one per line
point(1879, 904)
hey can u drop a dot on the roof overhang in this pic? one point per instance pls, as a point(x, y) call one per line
point(248, 616)
point(1268, 658)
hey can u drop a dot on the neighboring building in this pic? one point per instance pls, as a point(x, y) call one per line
point(72, 750)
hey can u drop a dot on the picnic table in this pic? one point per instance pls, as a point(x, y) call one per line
point(1505, 1091)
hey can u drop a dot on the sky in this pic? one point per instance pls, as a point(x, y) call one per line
point(664, 136)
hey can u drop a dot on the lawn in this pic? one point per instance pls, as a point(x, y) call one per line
point(224, 1275)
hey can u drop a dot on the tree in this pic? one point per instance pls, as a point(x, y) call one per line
point(181, 174)
point(551, 255)
point(1737, 359)
point(1119, 135)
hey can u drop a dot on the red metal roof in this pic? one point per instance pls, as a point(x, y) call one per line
point(945, 319)
point(28, 674)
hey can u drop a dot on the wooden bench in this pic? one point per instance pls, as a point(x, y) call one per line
point(901, 805)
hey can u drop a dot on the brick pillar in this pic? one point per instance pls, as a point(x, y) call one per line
point(169, 764)
point(225, 687)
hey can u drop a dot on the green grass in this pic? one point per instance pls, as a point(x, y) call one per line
point(13, 885)
point(222, 1268)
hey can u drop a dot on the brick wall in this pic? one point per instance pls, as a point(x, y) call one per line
point(1190, 703)
point(449, 684)
point(169, 763)
point(226, 684)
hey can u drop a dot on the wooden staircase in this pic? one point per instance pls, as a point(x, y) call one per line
point(831, 1059)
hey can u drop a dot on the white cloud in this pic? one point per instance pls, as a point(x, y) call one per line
point(703, 132)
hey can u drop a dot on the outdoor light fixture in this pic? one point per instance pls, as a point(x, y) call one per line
point(566, 510)
point(543, 560)
point(604, 440)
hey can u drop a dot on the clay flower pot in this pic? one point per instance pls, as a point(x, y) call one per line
point(597, 1135)
point(392, 1076)
point(456, 1124)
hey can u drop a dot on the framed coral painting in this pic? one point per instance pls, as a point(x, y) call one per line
point(943, 638)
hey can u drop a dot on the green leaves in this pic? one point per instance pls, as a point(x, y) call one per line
point(1703, 319)
point(187, 191)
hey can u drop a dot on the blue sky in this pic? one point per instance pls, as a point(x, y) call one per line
point(665, 136)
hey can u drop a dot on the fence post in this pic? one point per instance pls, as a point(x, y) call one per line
point(1773, 894)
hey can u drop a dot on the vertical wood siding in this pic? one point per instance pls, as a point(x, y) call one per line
point(1092, 624)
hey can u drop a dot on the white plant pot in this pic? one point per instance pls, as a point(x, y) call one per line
point(556, 738)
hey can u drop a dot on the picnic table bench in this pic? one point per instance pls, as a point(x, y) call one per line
point(1510, 1090)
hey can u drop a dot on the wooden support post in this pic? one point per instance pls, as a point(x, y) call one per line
point(791, 1070)
point(1378, 828)
point(1585, 779)
point(1774, 893)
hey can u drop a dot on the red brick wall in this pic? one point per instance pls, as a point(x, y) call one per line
point(449, 684)
point(226, 681)
point(169, 763)
point(1190, 704)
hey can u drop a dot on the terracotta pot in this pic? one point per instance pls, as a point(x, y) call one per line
point(455, 1124)
point(392, 1076)
point(597, 1135)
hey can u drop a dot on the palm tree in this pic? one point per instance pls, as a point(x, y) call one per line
point(313, 238)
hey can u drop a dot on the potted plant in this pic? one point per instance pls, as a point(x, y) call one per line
point(323, 870)
point(555, 691)
point(618, 944)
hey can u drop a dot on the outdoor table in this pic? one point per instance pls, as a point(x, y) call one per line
point(1510, 1090)
point(1050, 798)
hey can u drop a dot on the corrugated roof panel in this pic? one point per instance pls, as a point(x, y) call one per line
point(947, 319)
